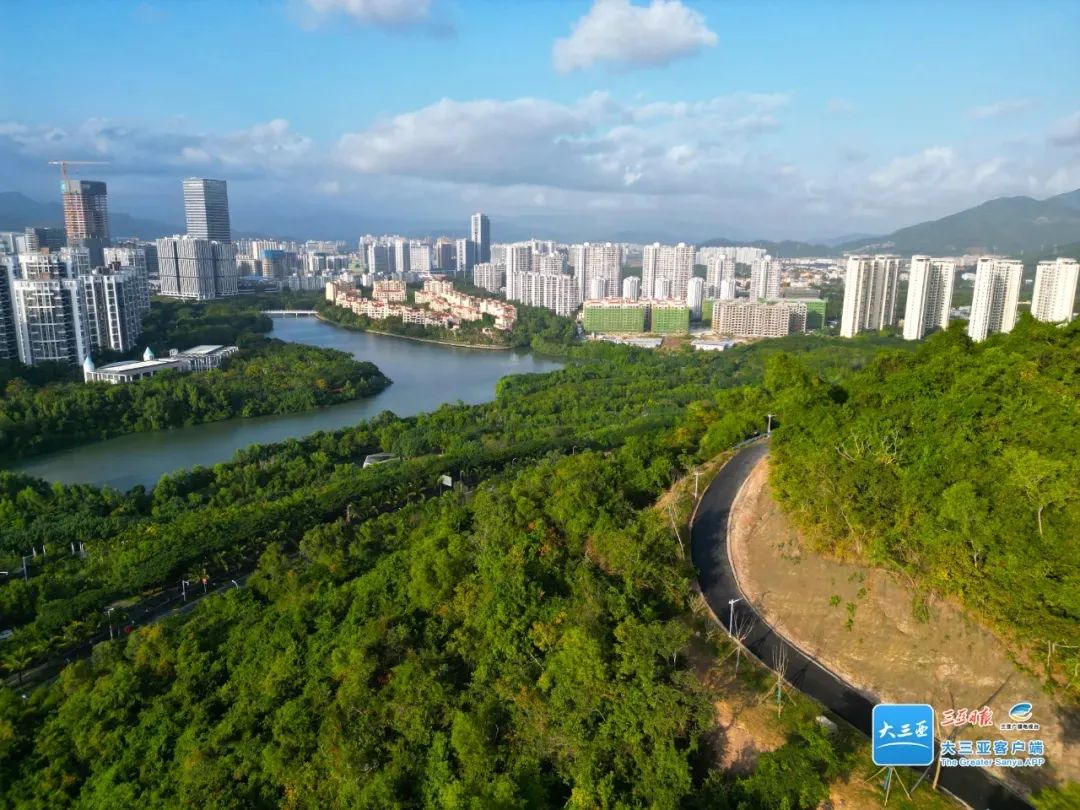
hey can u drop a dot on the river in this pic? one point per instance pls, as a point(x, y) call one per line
point(425, 376)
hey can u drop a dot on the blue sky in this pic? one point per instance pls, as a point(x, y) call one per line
point(561, 118)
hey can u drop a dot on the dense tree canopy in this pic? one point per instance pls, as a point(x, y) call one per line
point(267, 376)
point(522, 643)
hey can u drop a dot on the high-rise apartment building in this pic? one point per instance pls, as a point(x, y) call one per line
point(45, 239)
point(557, 292)
point(9, 347)
point(466, 255)
point(720, 278)
point(550, 264)
point(929, 296)
point(65, 263)
point(764, 279)
point(399, 256)
point(48, 302)
point(197, 269)
point(869, 294)
point(480, 236)
point(419, 257)
point(995, 298)
point(206, 207)
point(1055, 290)
point(518, 260)
point(488, 276)
point(597, 269)
point(444, 254)
point(695, 295)
point(378, 258)
point(275, 264)
point(86, 211)
point(132, 258)
point(631, 288)
point(113, 308)
point(675, 263)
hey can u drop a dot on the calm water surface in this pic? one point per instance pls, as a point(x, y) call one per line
point(425, 376)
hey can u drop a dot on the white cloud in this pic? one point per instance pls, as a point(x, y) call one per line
point(1002, 109)
point(618, 33)
point(703, 164)
point(1066, 132)
point(131, 149)
point(914, 172)
point(388, 13)
point(592, 144)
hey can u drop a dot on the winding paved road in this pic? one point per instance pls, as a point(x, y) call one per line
point(708, 543)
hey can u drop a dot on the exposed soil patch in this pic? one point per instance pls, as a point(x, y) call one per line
point(859, 622)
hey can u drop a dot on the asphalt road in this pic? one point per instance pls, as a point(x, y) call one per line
point(708, 544)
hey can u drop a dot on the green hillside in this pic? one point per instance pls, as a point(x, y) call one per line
point(956, 464)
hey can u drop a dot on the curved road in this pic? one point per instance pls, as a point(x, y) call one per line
point(708, 544)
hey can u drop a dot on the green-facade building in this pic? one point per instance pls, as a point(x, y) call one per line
point(617, 318)
point(670, 320)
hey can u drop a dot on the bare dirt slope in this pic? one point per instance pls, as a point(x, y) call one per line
point(859, 622)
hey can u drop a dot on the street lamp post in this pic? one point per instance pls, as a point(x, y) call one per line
point(183, 588)
point(768, 430)
point(234, 582)
point(731, 614)
point(109, 612)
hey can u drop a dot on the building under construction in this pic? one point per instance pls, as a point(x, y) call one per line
point(86, 210)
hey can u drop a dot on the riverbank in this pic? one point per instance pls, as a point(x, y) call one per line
point(424, 378)
point(267, 377)
point(352, 328)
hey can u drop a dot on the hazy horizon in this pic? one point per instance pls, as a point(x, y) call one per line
point(676, 120)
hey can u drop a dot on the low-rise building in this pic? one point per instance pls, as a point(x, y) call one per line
point(389, 290)
point(197, 358)
point(438, 304)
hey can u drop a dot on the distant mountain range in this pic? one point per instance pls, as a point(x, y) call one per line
point(1014, 226)
point(1009, 225)
point(17, 211)
point(785, 249)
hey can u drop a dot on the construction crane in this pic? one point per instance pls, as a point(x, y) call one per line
point(63, 164)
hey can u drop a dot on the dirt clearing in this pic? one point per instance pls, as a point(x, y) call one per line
point(859, 622)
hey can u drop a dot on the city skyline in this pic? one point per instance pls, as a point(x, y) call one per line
point(699, 132)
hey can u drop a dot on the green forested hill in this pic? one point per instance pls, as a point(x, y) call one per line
point(521, 646)
point(957, 464)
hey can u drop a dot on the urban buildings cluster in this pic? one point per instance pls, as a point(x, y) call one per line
point(89, 294)
point(66, 293)
point(437, 304)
